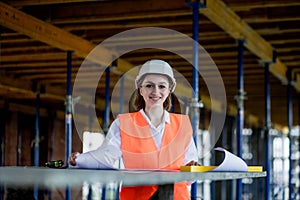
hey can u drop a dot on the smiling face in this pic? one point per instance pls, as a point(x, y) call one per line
point(155, 89)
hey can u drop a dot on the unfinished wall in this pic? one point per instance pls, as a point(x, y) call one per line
point(18, 131)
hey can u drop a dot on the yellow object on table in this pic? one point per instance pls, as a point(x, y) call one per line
point(209, 168)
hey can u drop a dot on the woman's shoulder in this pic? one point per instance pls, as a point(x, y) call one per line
point(179, 116)
point(127, 114)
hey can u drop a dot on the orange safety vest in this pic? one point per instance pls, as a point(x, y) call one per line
point(140, 151)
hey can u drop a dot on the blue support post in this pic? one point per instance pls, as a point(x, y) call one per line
point(195, 105)
point(107, 99)
point(106, 112)
point(298, 139)
point(2, 139)
point(121, 110)
point(268, 188)
point(195, 83)
point(37, 131)
point(2, 135)
point(195, 80)
point(240, 113)
point(19, 141)
point(37, 141)
point(68, 122)
point(290, 126)
point(3, 118)
point(203, 122)
point(51, 125)
point(90, 125)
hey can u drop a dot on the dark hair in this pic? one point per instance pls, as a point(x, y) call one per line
point(139, 102)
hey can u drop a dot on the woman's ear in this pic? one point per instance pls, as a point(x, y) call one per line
point(140, 91)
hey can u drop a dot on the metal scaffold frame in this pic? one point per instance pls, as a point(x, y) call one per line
point(195, 115)
point(37, 141)
point(267, 130)
point(290, 127)
point(68, 115)
point(240, 113)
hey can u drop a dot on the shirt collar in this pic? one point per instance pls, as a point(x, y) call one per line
point(166, 118)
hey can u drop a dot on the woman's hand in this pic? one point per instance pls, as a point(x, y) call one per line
point(193, 163)
point(72, 158)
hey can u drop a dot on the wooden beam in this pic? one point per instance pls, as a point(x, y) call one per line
point(46, 2)
point(34, 57)
point(25, 89)
point(12, 89)
point(224, 17)
point(268, 20)
point(84, 119)
point(279, 70)
point(25, 84)
point(286, 41)
point(231, 23)
point(16, 40)
point(39, 65)
point(116, 25)
point(51, 35)
point(248, 5)
point(128, 16)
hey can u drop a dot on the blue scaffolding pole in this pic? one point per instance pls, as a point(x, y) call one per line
point(68, 122)
point(19, 140)
point(106, 113)
point(195, 82)
point(299, 134)
point(52, 116)
point(298, 139)
point(267, 130)
point(240, 113)
point(3, 116)
point(290, 126)
point(121, 110)
point(196, 5)
point(36, 142)
point(107, 99)
point(90, 125)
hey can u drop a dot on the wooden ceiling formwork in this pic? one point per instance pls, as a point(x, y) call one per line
point(35, 35)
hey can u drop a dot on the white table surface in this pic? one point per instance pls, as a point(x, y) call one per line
point(57, 178)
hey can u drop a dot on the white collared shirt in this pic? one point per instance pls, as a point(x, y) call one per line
point(110, 151)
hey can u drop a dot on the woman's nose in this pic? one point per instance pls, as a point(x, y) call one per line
point(155, 88)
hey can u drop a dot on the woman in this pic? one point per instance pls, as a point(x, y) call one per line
point(151, 138)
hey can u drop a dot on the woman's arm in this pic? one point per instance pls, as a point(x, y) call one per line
point(191, 154)
point(103, 157)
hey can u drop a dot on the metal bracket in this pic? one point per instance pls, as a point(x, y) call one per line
point(74, 101)
point(194, 103)
point(268, 126)
point(240, 97)
point(69, 104)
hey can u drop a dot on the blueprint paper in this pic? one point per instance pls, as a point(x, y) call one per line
point(231, 163)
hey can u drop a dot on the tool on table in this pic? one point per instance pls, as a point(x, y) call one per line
point(54, 164)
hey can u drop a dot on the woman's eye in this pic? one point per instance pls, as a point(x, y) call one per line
point(162, 87)
point(149, 86)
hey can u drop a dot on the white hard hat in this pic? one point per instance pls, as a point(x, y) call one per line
point(156, 67)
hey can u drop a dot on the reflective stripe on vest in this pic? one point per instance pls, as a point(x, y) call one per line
point(140, 151)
